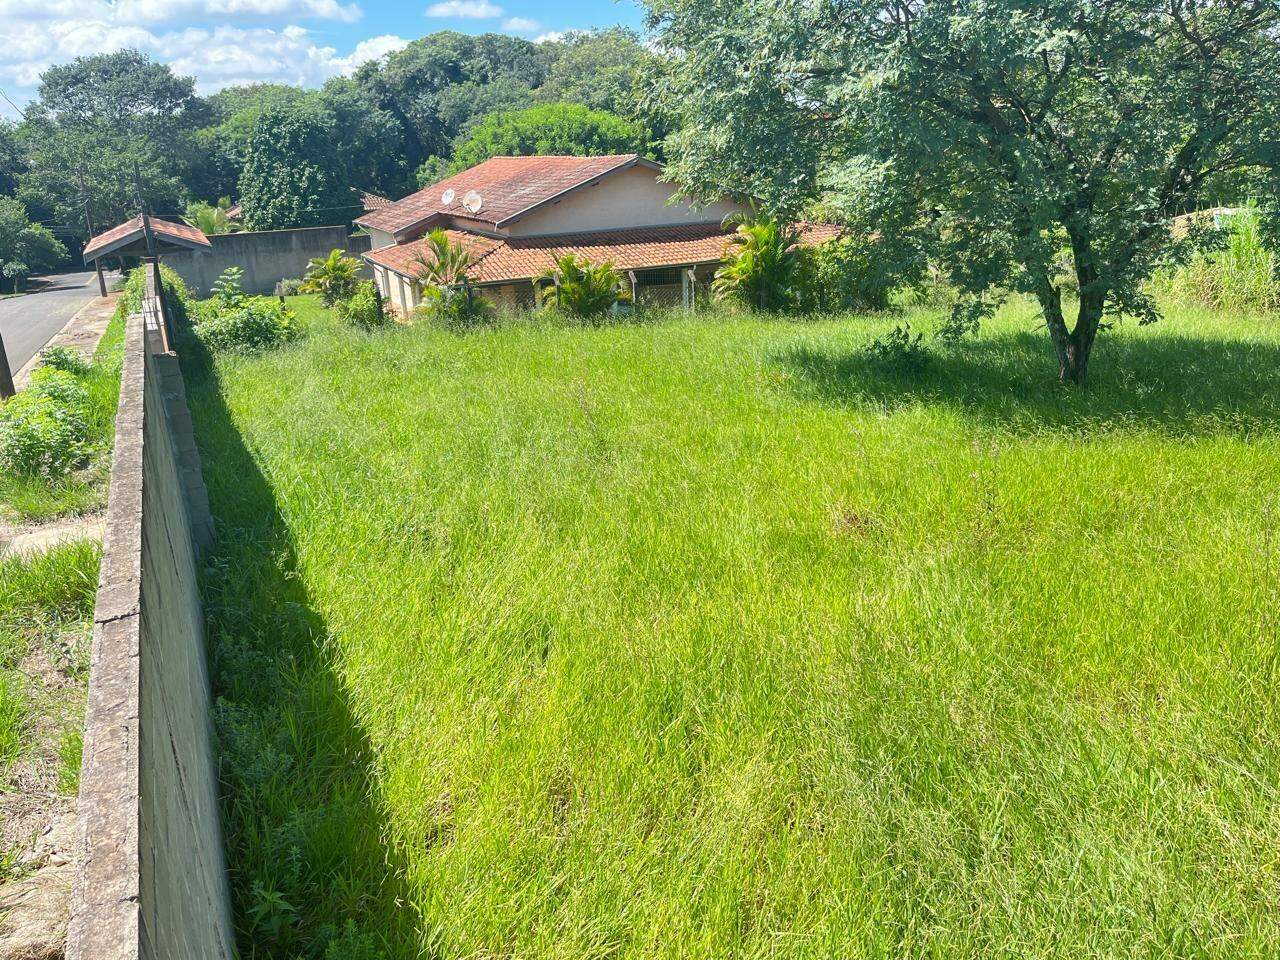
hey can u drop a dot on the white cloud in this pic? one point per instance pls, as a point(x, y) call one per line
point(217, 57)
point(551, 36)
point(521, 25)
point(375, 48)
point(147, 12)
point(465, 9)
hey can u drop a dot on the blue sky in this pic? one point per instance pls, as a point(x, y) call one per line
point(224, 42)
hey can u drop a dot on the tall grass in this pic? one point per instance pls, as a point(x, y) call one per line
point(714, 637)
point(1242, 276)
point(36, 498)
point(40, 597)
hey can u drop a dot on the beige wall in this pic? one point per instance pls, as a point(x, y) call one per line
point(379, 238)
point(630, 198)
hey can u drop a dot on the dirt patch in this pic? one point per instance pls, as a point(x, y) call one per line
point(26, 539)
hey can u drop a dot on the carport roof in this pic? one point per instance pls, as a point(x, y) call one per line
point(130, 238)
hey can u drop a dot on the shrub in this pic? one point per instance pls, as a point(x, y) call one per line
point(333, 277)
point(65, 359)
point(455, 308)
point(848, 273)
point(582, 289)
point(898, 351)
point(364, 308)
point(228, 289)
point(40, 436)
point(59, 386)
point(291, 287)
point(761, 266)
point(258, 323)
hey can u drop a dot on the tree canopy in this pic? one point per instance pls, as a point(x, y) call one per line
point(291, 177)
point(556, 128)
point(25, 247)
point(1017, 129)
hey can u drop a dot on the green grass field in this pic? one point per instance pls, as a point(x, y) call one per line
point(709, 637)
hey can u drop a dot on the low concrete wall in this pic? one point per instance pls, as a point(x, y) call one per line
point(266, 256)
point(151, 878)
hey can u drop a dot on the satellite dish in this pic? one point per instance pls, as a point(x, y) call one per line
point(473, 201)
point(447, 197)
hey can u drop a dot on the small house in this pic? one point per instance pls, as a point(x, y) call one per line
point(517, 215)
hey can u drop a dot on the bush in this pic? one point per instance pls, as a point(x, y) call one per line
point(455, 308)
point(65, 359)
point(333, 277)
point(762, 263)
point(364, 308)
point(59, 386)
point(583, 289)
point(39, 436)
point(176, 293)
point(258, 323)
point(847, 273)
point(291, 287)
point(898, 351)
point(228, 289)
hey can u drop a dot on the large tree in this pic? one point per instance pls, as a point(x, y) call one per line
point(435, 87)
point(93, 121)
point(12, 160)
point(292, 176)
point(1018, 127)
point(602, 69)
point(25, 247)
point(554, 128)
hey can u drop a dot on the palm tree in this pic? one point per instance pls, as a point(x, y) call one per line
point(333, 277)
point(581, 288)
point(447, 296)
point(211, 220)
point(761, 267)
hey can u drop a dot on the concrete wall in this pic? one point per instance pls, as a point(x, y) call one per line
point(629, 198)
point(151, 881)
point(266, 256)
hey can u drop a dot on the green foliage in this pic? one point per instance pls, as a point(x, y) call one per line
point(848, 273)
point(12, 160)
point(364, 307)
point(44, 430)
point(1242, 274)
point(211, 219)
point(333, 277)
point(601, 69)
point(228, 289)
point(555, 128)
point(448, 298)
point(1002, 128)
point(582, 289)
point(24, 246)
point(899, 351)
point(291, 175)
point(762, 264)
point(66, 359)
point(439, 85)
point(177, 296)
point(93, 121)
point(252, 326)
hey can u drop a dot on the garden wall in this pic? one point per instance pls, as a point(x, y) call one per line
point(267, 256)
point(151, 878)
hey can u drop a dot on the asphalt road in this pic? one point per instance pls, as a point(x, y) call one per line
point(28, 322)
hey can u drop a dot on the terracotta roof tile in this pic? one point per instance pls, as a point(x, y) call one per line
point(643, 248)
point(507, 186)
point(131, 232)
